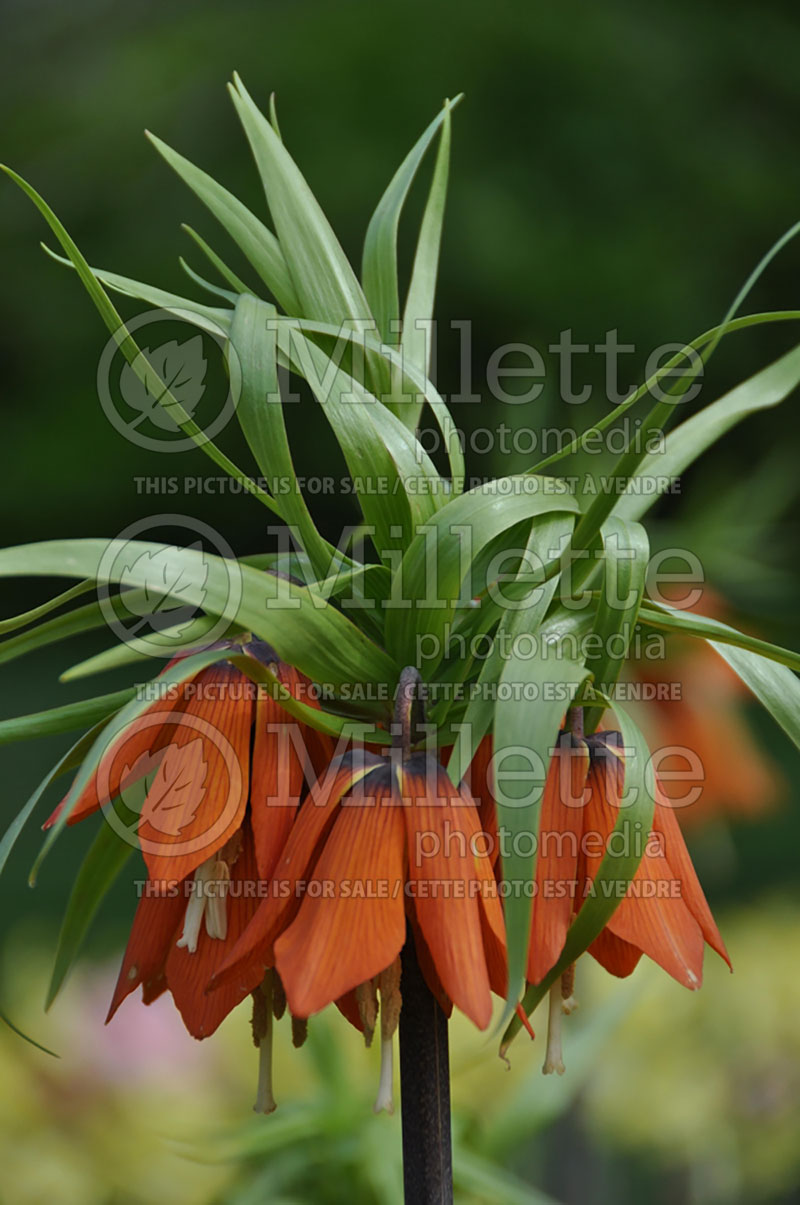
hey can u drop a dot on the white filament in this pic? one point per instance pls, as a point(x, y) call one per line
point(553, 1060)
point(265, 1101)
point(208, 901)
point(384, 1101)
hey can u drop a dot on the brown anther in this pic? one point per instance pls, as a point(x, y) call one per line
point(391, 999)
point(231, 849)
point(260, 1016)
point(568, 982)
point(278, 997)
point(299, 1031)
point(367, 1001)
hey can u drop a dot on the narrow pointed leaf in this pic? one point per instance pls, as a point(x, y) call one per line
point(208, 318)
point(72, 623)
point(766, 389)
point(236, 282)
point(325, 284)
point(535, 693)
point(260, 414)
point(303, 629)
point(70, 759)
point(99, 870)
point(31, 1041)
point(625, 559)
point(379, 261)
point(439, 557)
point(257, 242)
point(209, 287)
point(669, 619)
point(26, 617)
point(62, 719)
point(128, 345)
point(775, 686)
point(418, 312)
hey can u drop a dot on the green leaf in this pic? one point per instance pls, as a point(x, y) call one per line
point(304, 630)
point(236, 282)
point(216, 321)
point(669, 366)
point(315, 717)
point(775, 686)
point(386, 463)
point(668, 619)
point(260, 414)
point(418, 312)
point(174, 640)
point(626, 556)
point(128, 345)
point(26, 617)
point(70, 759)
point(325, 284)
point(617, 869)
point(379, 261)
point(62, 719)
point(545, 535)
point(534, 694)
point(15, 1029)
point(72, 623)
point(99, 869)
point(217, 290)
point(766, 389)
point(409, 375)
point(439, 558)
point(257, 242)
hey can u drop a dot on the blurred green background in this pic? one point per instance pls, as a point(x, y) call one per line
point(615, 166)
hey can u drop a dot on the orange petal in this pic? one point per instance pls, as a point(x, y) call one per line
point(490, 909)
point(650, 917)
point(618, 957)
point(428, 968)
point(677, 855)
point(188, 974)
point(443, 881)
point(355, 927)
point(348, 1007)
point(125, 760)
point(560, 829)
point(277, 780)
point(156, 926)
point(480, 781)
point(198, 798)
point(281, 903)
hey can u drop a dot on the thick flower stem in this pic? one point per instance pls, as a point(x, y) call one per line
point(424, 1090)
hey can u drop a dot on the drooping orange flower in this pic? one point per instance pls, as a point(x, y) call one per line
point(223, 779)
point(697, 718)
point(706, 739)
point(664, 913)
point(383, 846)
